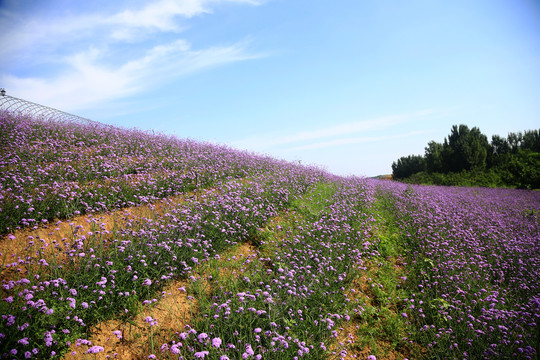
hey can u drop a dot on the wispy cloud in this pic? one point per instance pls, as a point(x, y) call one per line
point(350, 141)
point(89, 80)
point(335, 133)
point(85, 53)
point(156, 16)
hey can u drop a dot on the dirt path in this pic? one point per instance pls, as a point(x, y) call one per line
point(49, 241)
point(160, 321)
point(138, 337)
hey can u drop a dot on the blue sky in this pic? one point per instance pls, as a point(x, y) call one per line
point(350, 86)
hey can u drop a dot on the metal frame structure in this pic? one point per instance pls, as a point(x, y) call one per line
point(24, 107)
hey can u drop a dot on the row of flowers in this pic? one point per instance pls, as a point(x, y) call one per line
point(475, 265)
point(292, 298)
point(54, 170)
point(54, 303)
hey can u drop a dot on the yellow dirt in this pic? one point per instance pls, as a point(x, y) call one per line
point(49, 241)
point(139, 338)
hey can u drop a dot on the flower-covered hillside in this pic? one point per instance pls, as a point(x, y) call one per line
point(51, 169)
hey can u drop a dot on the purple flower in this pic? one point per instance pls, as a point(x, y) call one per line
point(216, 342)
point(72, 302)
point(95, 349)
point(175, 348)
point(151, 321)
point(201, 354)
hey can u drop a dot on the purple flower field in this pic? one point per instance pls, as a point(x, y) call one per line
point(54, 170)
point(463, 263)
point(475, 259)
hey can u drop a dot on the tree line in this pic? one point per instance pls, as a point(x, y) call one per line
point(467, 158)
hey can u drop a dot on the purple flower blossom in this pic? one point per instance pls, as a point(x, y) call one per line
point(216, 342)
point(151, 321)
point(95, 349)
point(175, 348)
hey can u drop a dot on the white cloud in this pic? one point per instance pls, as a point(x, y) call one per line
point(265, 143)
point(156, 16)
point(81, 49)
point(89, 81)
point(350, 141)
point(22, 33)
point(161, 16)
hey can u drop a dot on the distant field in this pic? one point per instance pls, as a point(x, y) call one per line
point(130, 245)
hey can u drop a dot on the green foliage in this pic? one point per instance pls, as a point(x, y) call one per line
point(381, 325)
point(468, 148)
point(488, 178)
point(466, 158)
point(408, 165)
point(523, 169)
point(434, 157)
point(315, 200)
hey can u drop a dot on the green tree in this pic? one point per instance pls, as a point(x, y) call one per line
point(531, 140)
point(467, 148)
point(434, 157)
point(476, 150)
point(514, 140)
point(498, 150)
point(523, 169)
point(466, 158)
point(499, 145)
point(408, 165)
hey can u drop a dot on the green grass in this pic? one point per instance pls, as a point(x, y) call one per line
point(383, 324)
